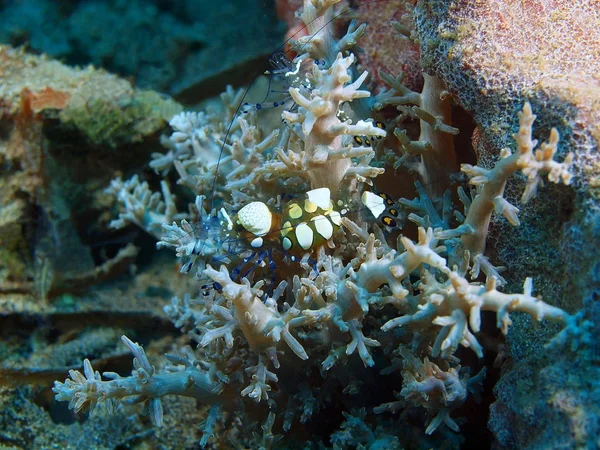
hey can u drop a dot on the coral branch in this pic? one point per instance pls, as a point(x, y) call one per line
point(88, 390)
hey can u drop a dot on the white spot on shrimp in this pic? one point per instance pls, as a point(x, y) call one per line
point(320, 197)
point(323, 226)
point(374, 203)
point(287, 243)
point(335, 217)
point(256, 218)
point(305, 236)
point(257, 243)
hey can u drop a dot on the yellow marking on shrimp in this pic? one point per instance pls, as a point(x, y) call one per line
point(295, 211)
point(309, 206)
point(286, 228)
point(388, 221)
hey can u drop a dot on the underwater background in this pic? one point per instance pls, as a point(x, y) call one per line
point(443, 294)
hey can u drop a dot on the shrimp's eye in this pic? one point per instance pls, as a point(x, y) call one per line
point(388, 221)
point(379, 124)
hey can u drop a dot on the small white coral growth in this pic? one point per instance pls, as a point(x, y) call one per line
point(205, 145)
point(394, 267)
point(142, 207)
point(352, 294)
point(192, 138)
point(535, 165)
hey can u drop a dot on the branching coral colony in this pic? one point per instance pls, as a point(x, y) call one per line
point(298, 277)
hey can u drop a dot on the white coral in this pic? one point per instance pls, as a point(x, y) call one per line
point(328, 160)
point(142, 207)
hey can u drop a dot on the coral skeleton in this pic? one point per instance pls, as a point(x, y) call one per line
point(347, 295)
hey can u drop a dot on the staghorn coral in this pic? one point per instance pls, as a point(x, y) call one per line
point(473, 231)
point(269, 319)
